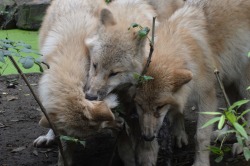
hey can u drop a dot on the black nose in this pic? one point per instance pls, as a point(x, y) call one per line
point(89, 97)
point(148, 138)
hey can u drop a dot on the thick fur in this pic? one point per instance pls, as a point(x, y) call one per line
point(116, 52)
point(165, 8)
point(62, 42)
point(196, 39)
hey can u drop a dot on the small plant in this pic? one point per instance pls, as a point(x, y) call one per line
point(238, 124)
point(15, 49)
point(72, 139)
point(142, 32)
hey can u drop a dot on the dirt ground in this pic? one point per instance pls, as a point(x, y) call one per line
point(19, 116)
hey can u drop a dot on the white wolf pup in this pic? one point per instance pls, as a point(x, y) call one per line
point(66, 26)
point(196, 39)
point(116, 52)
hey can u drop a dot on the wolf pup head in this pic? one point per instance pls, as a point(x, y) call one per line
point(116, 54)
point(158, 97)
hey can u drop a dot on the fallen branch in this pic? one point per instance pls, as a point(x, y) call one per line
point(42, 108)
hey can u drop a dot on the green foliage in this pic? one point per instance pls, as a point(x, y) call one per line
point(238, 125)
point(248, 54)
point(72, 139)
point(142, 32)
point(13, 48)
point(142, 79)
point(107, 1)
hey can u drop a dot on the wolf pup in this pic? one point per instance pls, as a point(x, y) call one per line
point(66, 26)
point(196, 39)
point(116, 52)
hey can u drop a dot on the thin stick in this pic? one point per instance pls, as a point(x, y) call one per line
point(42, 108)
point(144, 71)
point(216, 72)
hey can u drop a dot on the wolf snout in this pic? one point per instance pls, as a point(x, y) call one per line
point(91, 97)
point(148, 138)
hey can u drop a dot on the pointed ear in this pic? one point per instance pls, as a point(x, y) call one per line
point(107, 17)
point(101, 112)
point(44, 122)
point(181, 77)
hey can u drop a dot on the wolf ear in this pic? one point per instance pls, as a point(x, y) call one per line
point(101, 112)
point(44, 122)
point(181, 77)
point(107, 18)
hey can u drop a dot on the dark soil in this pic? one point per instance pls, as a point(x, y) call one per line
point(19, 116)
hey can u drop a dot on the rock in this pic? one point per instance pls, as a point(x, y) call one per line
point(7, 10)
point(30, 15)
point(24, 14)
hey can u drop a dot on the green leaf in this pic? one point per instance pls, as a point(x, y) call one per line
point(72, 139)
point(143, 32)
point(248, 88)
point(248, 54)
point(231, 117)
point(27, 62)
point(210, 113)
point(239, 139)
point(26, 50)
point(221, 122)
point(240, 129)
point(23, 45)
point(215, 150)
point(136, 76)
point(5, 45)
point(107, 1)
point(218, 159)
point(147, 78)
point(243, 113)
point(238, 104)
point(246, 153)
point(133, 25)
point(83, 143)
point(210, 122)
point(2, 59)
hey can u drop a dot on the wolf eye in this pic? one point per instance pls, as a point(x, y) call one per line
point(95, 65)
point(113, 74)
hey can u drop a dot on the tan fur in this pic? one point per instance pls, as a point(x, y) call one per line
point(116, 52)
point(66, 26)
point(165, 8)
point(201, 36)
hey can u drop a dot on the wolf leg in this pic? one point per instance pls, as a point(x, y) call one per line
point(68, 150)
point(178, 127)
point(207, 103)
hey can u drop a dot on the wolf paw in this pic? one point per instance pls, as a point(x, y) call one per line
point(181, 139)
point(111, 101)
point(237, 149)
point(45, 140)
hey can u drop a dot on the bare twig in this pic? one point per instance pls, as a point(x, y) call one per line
point(42, 108)
point(144, 71)
point(216, 72)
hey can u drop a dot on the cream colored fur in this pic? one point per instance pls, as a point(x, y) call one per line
point(196, 39)
point(62, 42)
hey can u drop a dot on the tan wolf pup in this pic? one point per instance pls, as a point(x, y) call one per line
point(66, 26)
point(196, 39)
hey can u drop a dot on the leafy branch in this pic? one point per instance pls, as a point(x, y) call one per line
point(9, 48)
point(143, 32)
point(231, 117)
